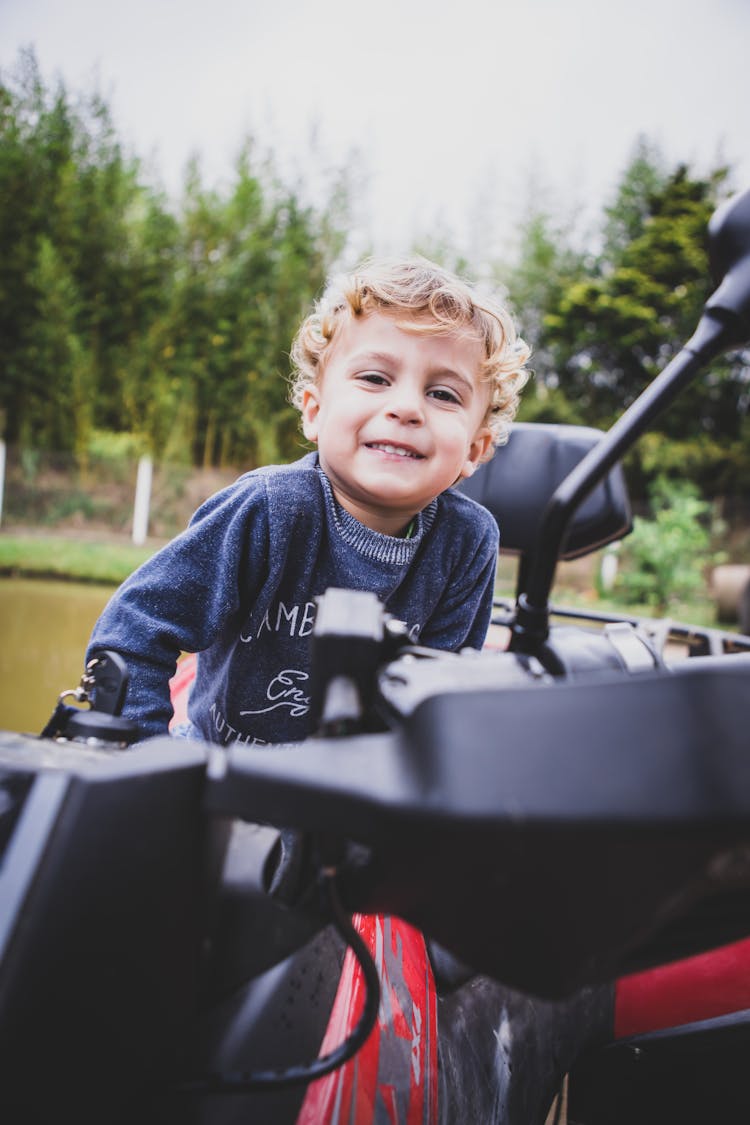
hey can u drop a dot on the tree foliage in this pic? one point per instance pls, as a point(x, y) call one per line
point(609, 323)
point(618, 326)
point(63, 181)
point(118, 313)
point(123, 313)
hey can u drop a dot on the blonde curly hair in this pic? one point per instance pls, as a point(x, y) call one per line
point(426, 299)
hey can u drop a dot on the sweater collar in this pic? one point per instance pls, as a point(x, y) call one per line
point(374, 544)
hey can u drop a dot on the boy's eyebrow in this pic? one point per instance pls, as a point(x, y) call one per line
point(373, 357)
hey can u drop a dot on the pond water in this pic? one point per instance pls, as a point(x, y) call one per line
point(44, 629)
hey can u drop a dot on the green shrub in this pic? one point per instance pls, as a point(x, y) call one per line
point(664, 558)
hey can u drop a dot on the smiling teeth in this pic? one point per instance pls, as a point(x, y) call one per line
point(397, 449)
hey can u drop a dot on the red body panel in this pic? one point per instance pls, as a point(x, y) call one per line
point(697, 988)
point(394, 1077)
point(179, 687)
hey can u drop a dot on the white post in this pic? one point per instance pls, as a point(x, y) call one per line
point(142, 500)
point(608, 570)
point(2, 477)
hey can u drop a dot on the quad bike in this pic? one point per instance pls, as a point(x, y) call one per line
point(504, 887)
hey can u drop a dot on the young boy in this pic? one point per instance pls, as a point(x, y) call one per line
point(405, 379)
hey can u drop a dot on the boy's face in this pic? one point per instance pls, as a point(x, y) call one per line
point(398, 417)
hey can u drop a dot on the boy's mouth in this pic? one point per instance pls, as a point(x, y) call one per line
point(396, 450)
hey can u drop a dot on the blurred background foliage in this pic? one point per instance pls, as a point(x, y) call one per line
point(134, 322)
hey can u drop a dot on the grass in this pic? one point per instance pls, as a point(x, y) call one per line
point(574, 588)
point(110, 563)
point(79, 560)
point(699, 611)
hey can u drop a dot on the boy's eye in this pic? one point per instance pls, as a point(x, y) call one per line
point(373, 377)
point(442, 394)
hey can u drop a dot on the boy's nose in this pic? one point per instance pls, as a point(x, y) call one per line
point(406, 406)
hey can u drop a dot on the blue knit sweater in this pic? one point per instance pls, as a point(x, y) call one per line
point(238, 586)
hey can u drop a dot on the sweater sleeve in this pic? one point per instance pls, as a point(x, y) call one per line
point(183, 597)
point(463, 615)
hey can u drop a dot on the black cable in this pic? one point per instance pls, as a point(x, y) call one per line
point(318, 1068)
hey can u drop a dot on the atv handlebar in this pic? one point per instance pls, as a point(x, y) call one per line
point(614, 797)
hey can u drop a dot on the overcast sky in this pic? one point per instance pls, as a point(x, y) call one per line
point(461, 111)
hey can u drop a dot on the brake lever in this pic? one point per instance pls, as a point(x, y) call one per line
point(103, 686)
point(107, 677)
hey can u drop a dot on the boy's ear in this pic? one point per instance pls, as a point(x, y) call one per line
point(310, 409)
point(476, 452)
